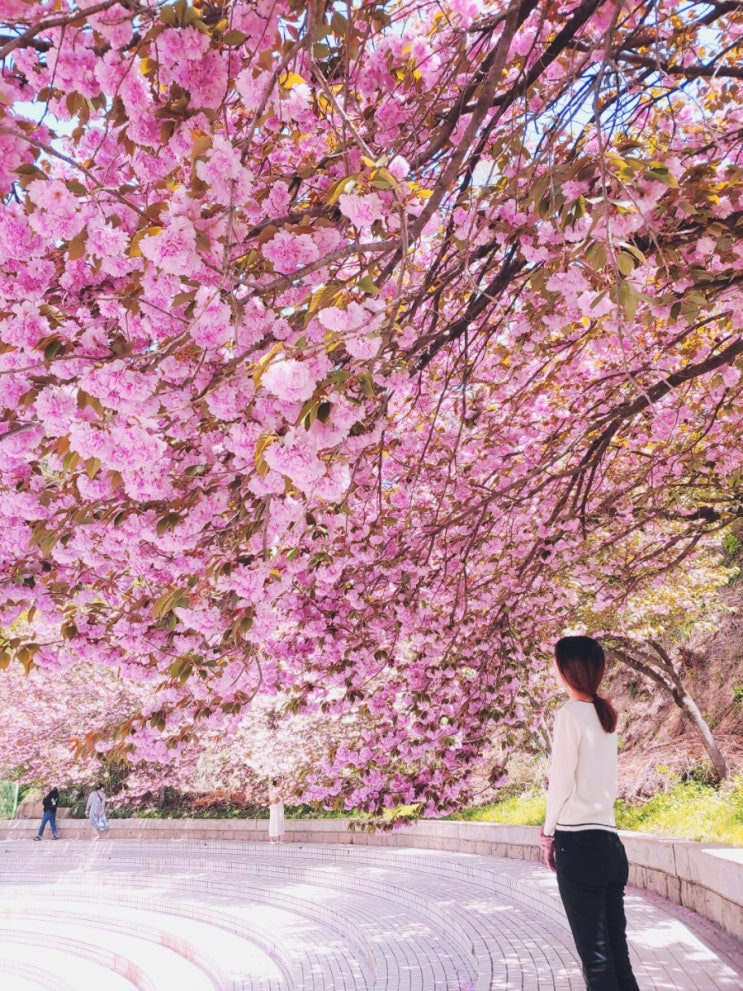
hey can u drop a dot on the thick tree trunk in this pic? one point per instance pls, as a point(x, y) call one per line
point(650, 659)
point(687, 705)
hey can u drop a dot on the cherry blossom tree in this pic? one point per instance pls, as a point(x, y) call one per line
point(347, 349)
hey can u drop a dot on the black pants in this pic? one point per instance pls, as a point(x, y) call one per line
point(591, 874)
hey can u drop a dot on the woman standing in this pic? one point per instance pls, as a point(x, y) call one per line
point(579, 838)
point(276, 812)
point(95, 810)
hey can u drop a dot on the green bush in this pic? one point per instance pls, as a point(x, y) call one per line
point(8, 799)
point(691, 809)
point(523, 810)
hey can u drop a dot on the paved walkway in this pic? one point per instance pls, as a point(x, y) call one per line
point(192, 916)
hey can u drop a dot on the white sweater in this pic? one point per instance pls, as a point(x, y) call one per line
point(583, 772)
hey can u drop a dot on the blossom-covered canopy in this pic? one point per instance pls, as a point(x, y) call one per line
point(350, 351)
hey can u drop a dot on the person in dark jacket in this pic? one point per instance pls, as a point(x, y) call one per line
point(50, 815)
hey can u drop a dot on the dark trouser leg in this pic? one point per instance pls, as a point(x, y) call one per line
point(618, 937)
point(585, 907)
point(591, 874)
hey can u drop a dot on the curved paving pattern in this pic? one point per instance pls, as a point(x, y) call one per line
point(192, 916)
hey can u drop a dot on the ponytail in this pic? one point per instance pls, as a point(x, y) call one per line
point(581, 663)
point(606, 712)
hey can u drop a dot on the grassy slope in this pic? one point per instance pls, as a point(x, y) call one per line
point(688, 810)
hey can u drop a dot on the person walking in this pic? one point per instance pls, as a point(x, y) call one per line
point(95, 810)
point(579, 839)
point(276, 812)
point(50, 803)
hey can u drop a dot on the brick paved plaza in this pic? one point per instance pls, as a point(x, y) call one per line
point(195, 916)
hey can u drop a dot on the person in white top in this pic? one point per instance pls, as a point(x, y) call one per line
point(276, 811)
point(579, 838)
point(95, 810)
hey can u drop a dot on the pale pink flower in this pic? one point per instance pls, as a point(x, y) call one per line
point(288, 252)
point(362, 346)
point(212, 324)
point(399, 167)
point(241, 440)
point(357, 324)
point(229, 180)
point(290, 380)
point(272, 483)
point(252, 89)
point(327, 239)
point(58, 213)
point(361, 209)
point(730, 376)
point(295, 460)
point(115, 24)
point(174, 248)
point(56, 409)
point(110, 244)
point(205, 79)
point(182, 43)
point(26, 327)
point(207, 620)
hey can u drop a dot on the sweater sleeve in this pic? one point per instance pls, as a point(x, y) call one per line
point(565, 743)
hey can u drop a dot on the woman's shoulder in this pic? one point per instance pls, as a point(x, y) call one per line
point(580, 709)
point(568, 709)
point(576, 712)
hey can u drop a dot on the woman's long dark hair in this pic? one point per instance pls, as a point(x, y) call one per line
point(581, 662)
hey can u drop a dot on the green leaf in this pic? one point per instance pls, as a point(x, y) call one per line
point(167, 522)
point(308, 412)
point(367, 384)
point(628, 299)
point(626, 263)
point(234, 37)
point(53, 348)
point(367, 285)
point(596, 255)
point(170, 600)
point(70, 461)
point(661, 174)
point(339, 187)
point(383, 179)
point(181, 670)
point(157, 720)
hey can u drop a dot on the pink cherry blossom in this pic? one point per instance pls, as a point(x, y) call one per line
point(361, 209)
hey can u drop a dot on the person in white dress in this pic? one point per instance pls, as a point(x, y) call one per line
point(95, 810)
point(276, 811)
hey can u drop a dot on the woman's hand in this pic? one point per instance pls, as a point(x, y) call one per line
point(547, 846)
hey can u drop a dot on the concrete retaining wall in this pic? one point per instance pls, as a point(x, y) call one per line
point(702, 877)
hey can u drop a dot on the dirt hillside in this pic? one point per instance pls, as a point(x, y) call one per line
point(657, 740)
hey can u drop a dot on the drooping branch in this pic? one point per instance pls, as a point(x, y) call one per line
point(650, 658)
